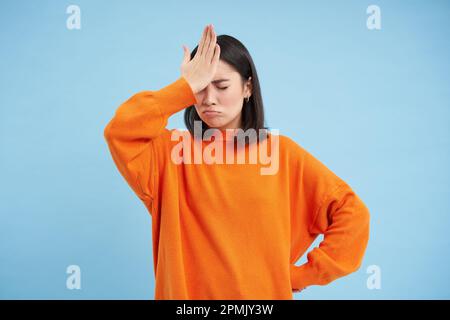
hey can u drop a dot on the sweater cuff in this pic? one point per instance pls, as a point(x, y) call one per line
point(175, 97)
point(302, 276)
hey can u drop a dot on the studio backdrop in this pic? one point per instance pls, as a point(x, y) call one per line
point(364, 86)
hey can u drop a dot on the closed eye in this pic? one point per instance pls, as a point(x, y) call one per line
point(222, 88)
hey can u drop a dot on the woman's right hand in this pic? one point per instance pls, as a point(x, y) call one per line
point(200, 71)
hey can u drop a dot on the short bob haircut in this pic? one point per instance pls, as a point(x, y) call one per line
point(233, 52)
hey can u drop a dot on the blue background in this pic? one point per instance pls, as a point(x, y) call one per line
point(373, 105)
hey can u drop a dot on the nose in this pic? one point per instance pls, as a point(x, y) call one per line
point(209, 96)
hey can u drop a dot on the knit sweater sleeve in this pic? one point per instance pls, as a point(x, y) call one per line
point(327, 205)
point(134, 128)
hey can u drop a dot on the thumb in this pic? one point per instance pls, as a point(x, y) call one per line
point(187, 55)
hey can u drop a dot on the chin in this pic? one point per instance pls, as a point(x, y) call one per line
point(215, 124)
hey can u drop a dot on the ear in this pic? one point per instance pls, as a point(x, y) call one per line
point(248, 87)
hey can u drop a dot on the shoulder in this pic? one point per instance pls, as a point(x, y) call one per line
point(288, 146)
point(296, 155)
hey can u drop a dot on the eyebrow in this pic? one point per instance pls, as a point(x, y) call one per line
point(219, 80)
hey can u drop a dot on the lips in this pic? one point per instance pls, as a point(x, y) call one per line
point(210, 111)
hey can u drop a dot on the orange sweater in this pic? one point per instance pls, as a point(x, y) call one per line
point(225, 231)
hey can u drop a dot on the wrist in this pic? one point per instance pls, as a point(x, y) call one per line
point(192, 84)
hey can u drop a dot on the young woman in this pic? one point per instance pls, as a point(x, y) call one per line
point(228, 229)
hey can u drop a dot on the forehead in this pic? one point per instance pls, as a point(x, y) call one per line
point(225, 71)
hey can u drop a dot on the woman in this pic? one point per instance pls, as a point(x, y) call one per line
point(226, 230)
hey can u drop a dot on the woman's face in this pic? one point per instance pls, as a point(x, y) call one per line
point(225, 95)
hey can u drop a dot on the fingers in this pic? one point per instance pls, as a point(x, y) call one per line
point(187, 56)
point(201, 46)
point(211, 44)
point(216, 54)
point(207, 48)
